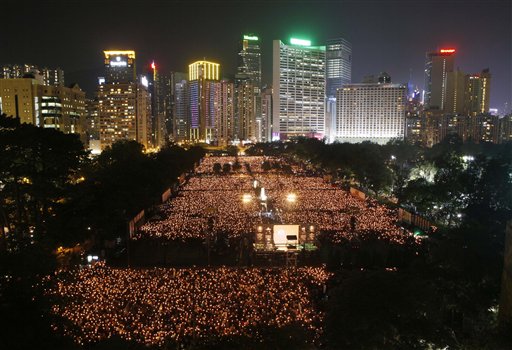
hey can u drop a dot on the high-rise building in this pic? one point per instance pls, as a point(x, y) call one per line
point(124, 111)
point(249, 60)
point(266, 115)
point(225, 129)
point(120, 66)
point(338, 65)
point(124, 103)
point(245, 114)
point(93, 125)
point(45, 76)
point(437, 66)
point(370, 112)
point(298, 89)
point(455, 90)
point(477, 93)
point(249, 66)
point(48, 106)
point(179, 107)
point(338, 72)
point(160, 89)
point(203, 76)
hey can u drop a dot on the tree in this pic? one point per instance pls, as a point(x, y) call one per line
point(36, 167)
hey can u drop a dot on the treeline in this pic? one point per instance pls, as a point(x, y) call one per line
point(55, 192)
point(447, 295)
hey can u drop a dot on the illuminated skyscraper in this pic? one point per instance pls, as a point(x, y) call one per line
point(266, 115)
point(249, 67)
point(203, 76)
point(370, 112)
point(437, 67)
point(338, 72)
point(160, 89)
point(338, 65)
point(124, 104)
point(179, 106)
point(245, 114)
point(477, 93)
point(120, 66)
point(249, 60)
point(298, 89)
point(224, 112)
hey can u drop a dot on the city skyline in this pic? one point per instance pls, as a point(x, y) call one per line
point(391, 36)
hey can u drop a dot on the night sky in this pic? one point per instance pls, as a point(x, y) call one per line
point(390, 36)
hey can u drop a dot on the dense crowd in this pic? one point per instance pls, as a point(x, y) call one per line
point(210, 204)
point(206, 204)
point(155, 306)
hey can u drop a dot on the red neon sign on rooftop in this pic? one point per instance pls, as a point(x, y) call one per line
point(447, 50)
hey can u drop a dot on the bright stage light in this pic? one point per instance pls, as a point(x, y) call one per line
point(291, 197)
point(246, 198)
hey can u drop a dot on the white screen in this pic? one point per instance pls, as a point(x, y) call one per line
point(281, 231)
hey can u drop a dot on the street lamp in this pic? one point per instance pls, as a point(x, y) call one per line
point(291, 197)
point(246, 198)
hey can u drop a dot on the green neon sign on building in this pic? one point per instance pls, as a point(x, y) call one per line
point(300, 42)
point(250, 37)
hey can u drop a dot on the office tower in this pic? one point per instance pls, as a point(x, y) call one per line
point(370, 112)
point(455, 87)
point(92, 125)
point(437, 66)
point(298, 89)
point(160, 89)
point(120, 66)
point(225, 129)
point(266, 115)
point(245, 114)
point(249, 65)
point(338, 65)
point(203, 76)
point(124, 104)
point(58, 107)
point(249, 60)
point(179, 124)
point(44, 76)
point(477, 93)
point(338, 72)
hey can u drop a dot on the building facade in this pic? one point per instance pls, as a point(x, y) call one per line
point(298, 89)
point(48, 106)
point(124, 103)
point(245, 108)
point(120, 66)
point(180, 107)
point(203, 77)
point(338, 72)
point(477, 93)
point(45, 76)
point(225, 127)
point(249, 67)
point(438, 65)
point(266, 115)
point(160, 89)
point(370, 112)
